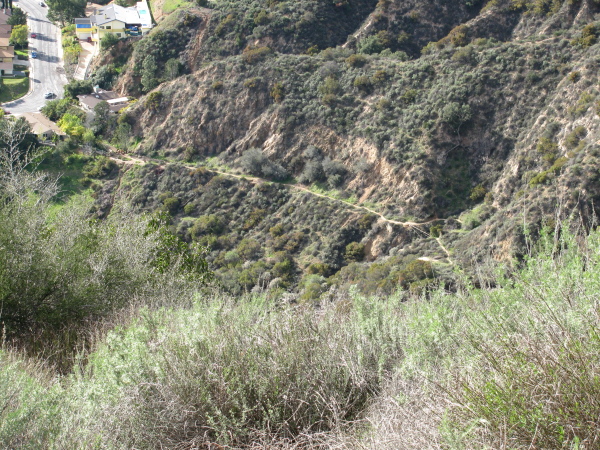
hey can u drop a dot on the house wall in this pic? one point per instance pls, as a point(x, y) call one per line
point(115, 27)
point(83, 31)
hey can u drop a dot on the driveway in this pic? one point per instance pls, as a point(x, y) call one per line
point(47, 73)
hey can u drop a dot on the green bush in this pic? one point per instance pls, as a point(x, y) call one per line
point(478, 193)
point(278, 92)
point(355, 251)
point(153, 101)
point(108, 41)
point(356, 60)
point(573, 139)
point(253, 55)
point(548, 148)
point(574, 77)
point(207, 224)
point(254, 162)
point(589, 36)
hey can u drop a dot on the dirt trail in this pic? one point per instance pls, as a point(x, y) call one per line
point(132, 160)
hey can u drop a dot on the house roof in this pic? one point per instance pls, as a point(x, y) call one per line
point(4, 16)
point(85, 20)
point(116, 101)
point(40, 124)
point(115, 104)
point(6, 66)
point(8, 53)
point(5, 29)
point(4, 41)
point(115, 12)
point(144, 13)
point(93, 99)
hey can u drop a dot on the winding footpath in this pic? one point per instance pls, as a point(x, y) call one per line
point(134, 160)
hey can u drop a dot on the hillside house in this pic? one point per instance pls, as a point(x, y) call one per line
point(43, 127)
point(121, 21)
point(115, 103)
point(7, 51)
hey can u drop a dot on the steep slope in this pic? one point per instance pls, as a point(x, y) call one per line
point(494, 124)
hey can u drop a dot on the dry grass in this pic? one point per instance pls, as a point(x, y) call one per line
point(511, 367)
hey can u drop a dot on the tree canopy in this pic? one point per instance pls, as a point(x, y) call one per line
point(64, 11)
point(18, 17)
point(19, 35)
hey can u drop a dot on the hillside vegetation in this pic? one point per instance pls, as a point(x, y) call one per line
point(470, 118)
point(508, 367)
point(322, 224)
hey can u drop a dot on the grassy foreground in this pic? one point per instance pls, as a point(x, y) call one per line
point(511, 367)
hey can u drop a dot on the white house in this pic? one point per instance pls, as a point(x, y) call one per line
point(118, 20)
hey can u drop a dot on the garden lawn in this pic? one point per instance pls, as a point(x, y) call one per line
point(13, 88)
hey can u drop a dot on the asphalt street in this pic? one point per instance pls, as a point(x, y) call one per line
point(46, 72)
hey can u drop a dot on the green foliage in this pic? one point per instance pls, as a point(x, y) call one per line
point(356, 60)
point(249, 249)
point(539, 178)
point(71, 125)
point(330, 86)
point(171, 205)
point(573, 139)
point(55, 109)
point(414, 273)
point(574, 77)
point(102, 118)
point(207, 224)
point(31, 403)
point(474, 218)
point(101, 167)
point(548, 148)
point(171, 252)
point(78, 87)
point(18, 17)
point(153, 101)
point(252, 83)
point(109, 40)
point(436, 230)
point(105, 76)
point(370, 45)
point(254, 55)
point(64, 11)
point(513, 364)
point(278, 92)
point(455, 115)
point(149, 73)
point(172, 68)
point(589, 36)
point(478, 193)
point(363, 84)
point(539, 7)
point(355, 252)
point(70, 268)
point(262, 18)
point(19, 35)
point(254, 162)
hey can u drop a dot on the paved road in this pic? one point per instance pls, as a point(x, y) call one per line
point(47, 72)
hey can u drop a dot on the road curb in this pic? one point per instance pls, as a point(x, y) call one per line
point(29, 92)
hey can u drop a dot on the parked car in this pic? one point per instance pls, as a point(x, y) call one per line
point(42, 4)
point(33, 35)
point(49, 95)
point(34, 54)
